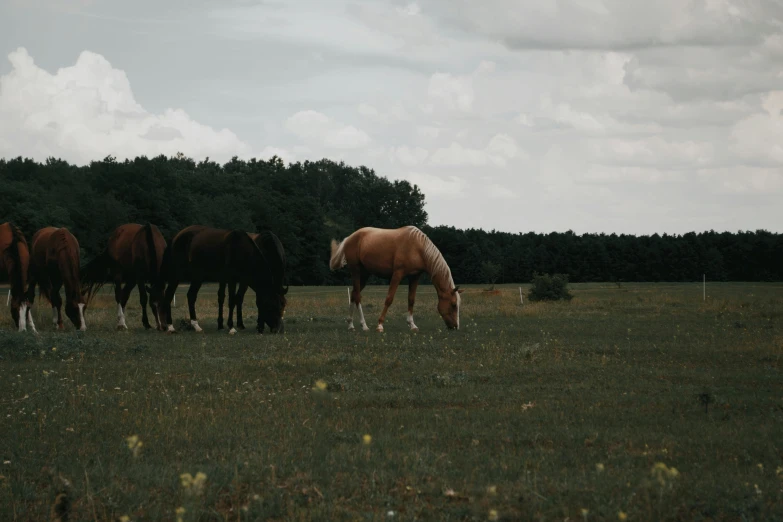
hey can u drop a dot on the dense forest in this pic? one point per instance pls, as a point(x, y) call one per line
point(307, 204)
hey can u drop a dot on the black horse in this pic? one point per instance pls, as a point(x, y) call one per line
point(229, 257)
point(273, 251)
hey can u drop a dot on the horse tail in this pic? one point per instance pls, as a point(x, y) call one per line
point(18, 277)
point(337, 259)
point(95, 274)
point(154, 273)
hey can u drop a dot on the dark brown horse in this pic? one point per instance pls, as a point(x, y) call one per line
point(199, 254)
point(15, 261)
point(273, 251)
point(396, 253)
point(134, 255)
point(55, 263)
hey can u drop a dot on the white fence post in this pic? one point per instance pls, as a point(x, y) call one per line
point(349, 295)
point(8, 301)
point(521, 300)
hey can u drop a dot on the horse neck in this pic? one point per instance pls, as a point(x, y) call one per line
point(442, 283)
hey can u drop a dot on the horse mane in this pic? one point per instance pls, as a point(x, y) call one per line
point(433, 259)
point(265, 238)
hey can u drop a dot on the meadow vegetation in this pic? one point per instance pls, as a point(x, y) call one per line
point(630, 402)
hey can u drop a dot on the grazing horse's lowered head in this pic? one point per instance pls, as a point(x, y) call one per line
point(448, 307)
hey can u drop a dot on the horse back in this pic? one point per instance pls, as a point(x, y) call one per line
point(120, 246)
point(382, 251)
point(147, 249)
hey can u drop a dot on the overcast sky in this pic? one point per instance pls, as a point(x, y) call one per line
point(627, 116)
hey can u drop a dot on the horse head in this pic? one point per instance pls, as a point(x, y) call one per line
point(448, 307)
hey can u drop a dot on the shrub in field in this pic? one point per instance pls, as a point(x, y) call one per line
point(549, 288)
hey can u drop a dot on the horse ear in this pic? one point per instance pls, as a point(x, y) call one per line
point(285, 290)
point(457, 290)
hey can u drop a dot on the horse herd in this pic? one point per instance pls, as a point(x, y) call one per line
point(139, 255)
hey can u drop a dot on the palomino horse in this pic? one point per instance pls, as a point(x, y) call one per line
point(54, 263)
point(396, 253)
point(134, 255)
point(15, 261)
point(273, 251)
point(198, 254)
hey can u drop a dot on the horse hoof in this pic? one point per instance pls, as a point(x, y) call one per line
point(241, 326)
point(415, 329)
point(351, 328)
point(232, 331)
point(379, 329)
point(365, 328)
point(121, 327)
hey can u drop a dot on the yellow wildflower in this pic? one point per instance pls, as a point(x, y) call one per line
point(493, 514)
point(492, 490)
point(180, 511)
point(134, 444)
point(621, 515)
point(320, 385)
point(193, 485)
point(599, 467)
point(367, 439)
point(125, 518)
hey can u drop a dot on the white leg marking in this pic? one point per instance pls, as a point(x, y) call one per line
point(232, 331)
point(195, 326)
point(361, 318)
point(411, 323)
point(30, 320)
point(54, 316)
point(170, 329)
point(121, 318)
point(83, 326)
point(352, 311)
point(23, 318)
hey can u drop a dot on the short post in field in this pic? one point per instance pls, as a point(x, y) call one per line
point(8, 301)
point(349, 295)
point(705, 286)
point(521, 300)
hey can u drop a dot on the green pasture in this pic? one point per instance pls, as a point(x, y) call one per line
point(642, 401)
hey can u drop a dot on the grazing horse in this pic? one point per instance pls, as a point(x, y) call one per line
point(199, 253)
point(15, 261)
point(54, 263)
point(273, 250)
point(134, 255)
point(396, 253)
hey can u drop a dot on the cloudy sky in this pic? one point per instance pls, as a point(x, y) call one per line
point(624, 116)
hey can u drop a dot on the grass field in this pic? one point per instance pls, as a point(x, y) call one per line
point(638, 400)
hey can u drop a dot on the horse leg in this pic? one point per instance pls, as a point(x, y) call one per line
point(413, 283)
point(143, 300)
point(126, 292)
point(192, 294)
point(232, 298)
point(57, 304)
point(165, 313)
point(240, 299)
point(356, 300)
point(118, 299)
point(395, 282)
point(221, 299)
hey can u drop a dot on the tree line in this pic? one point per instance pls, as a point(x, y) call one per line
point(308, 203)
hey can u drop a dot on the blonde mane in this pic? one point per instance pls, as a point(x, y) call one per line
point(436, 265)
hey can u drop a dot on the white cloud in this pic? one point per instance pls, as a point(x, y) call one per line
point(759, 138)
point(497, 191)
point(88, 111)
point(396, 113)
point(317, 128)
point(454, 92)
point(440, 187)
point(498, 151)
point(286, 155)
